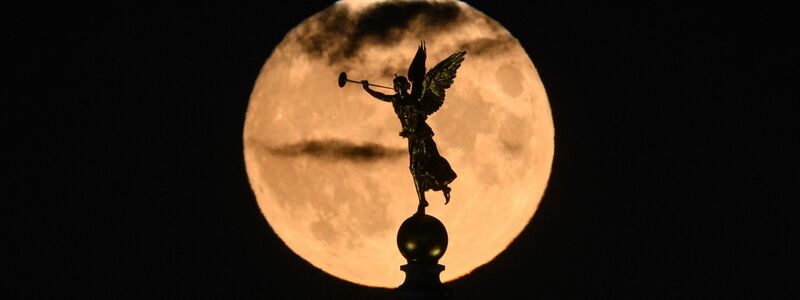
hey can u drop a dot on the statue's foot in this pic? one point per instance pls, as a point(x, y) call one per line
point(446, 192)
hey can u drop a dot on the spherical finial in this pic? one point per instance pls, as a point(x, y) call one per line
point(422, 238)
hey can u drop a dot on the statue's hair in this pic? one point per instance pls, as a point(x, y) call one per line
point(401, 81)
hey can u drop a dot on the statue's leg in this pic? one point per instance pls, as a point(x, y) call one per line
point(420, 194)
point(414, 168)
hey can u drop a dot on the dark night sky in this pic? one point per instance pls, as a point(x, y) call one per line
point(673, 139)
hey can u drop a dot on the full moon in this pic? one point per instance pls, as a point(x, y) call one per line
point(329, 170)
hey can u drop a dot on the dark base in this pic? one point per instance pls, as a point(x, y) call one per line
point(422, 282)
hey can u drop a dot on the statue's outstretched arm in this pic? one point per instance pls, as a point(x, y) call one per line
point(373, 93)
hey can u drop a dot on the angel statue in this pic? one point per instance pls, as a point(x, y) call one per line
point(429, 169)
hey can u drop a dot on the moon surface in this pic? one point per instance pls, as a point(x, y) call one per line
point(329, 170)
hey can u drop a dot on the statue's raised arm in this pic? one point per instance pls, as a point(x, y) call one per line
point(376, 94)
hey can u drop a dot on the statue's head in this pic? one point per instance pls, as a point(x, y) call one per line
point(401, 83)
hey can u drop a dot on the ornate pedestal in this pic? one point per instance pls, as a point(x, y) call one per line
point(422, 239)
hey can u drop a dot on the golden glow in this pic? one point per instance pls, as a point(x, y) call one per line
point(411, 246)
point(495, 129)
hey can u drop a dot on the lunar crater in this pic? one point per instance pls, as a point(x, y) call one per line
point(510, 79)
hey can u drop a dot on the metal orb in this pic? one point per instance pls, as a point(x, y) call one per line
point(422, 238)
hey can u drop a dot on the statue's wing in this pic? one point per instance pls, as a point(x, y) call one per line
point(416, 71)
point(437, 80)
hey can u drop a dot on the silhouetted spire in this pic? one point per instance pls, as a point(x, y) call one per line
point(422, 240)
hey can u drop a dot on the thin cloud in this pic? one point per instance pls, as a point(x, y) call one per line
point(345, 33)
point(334, 149)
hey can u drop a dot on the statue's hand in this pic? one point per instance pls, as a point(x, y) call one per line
point(365, 84)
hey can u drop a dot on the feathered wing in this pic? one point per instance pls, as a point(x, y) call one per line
point(416, 71)
point(438, 80)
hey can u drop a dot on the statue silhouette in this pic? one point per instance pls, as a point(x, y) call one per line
point(429, 169)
